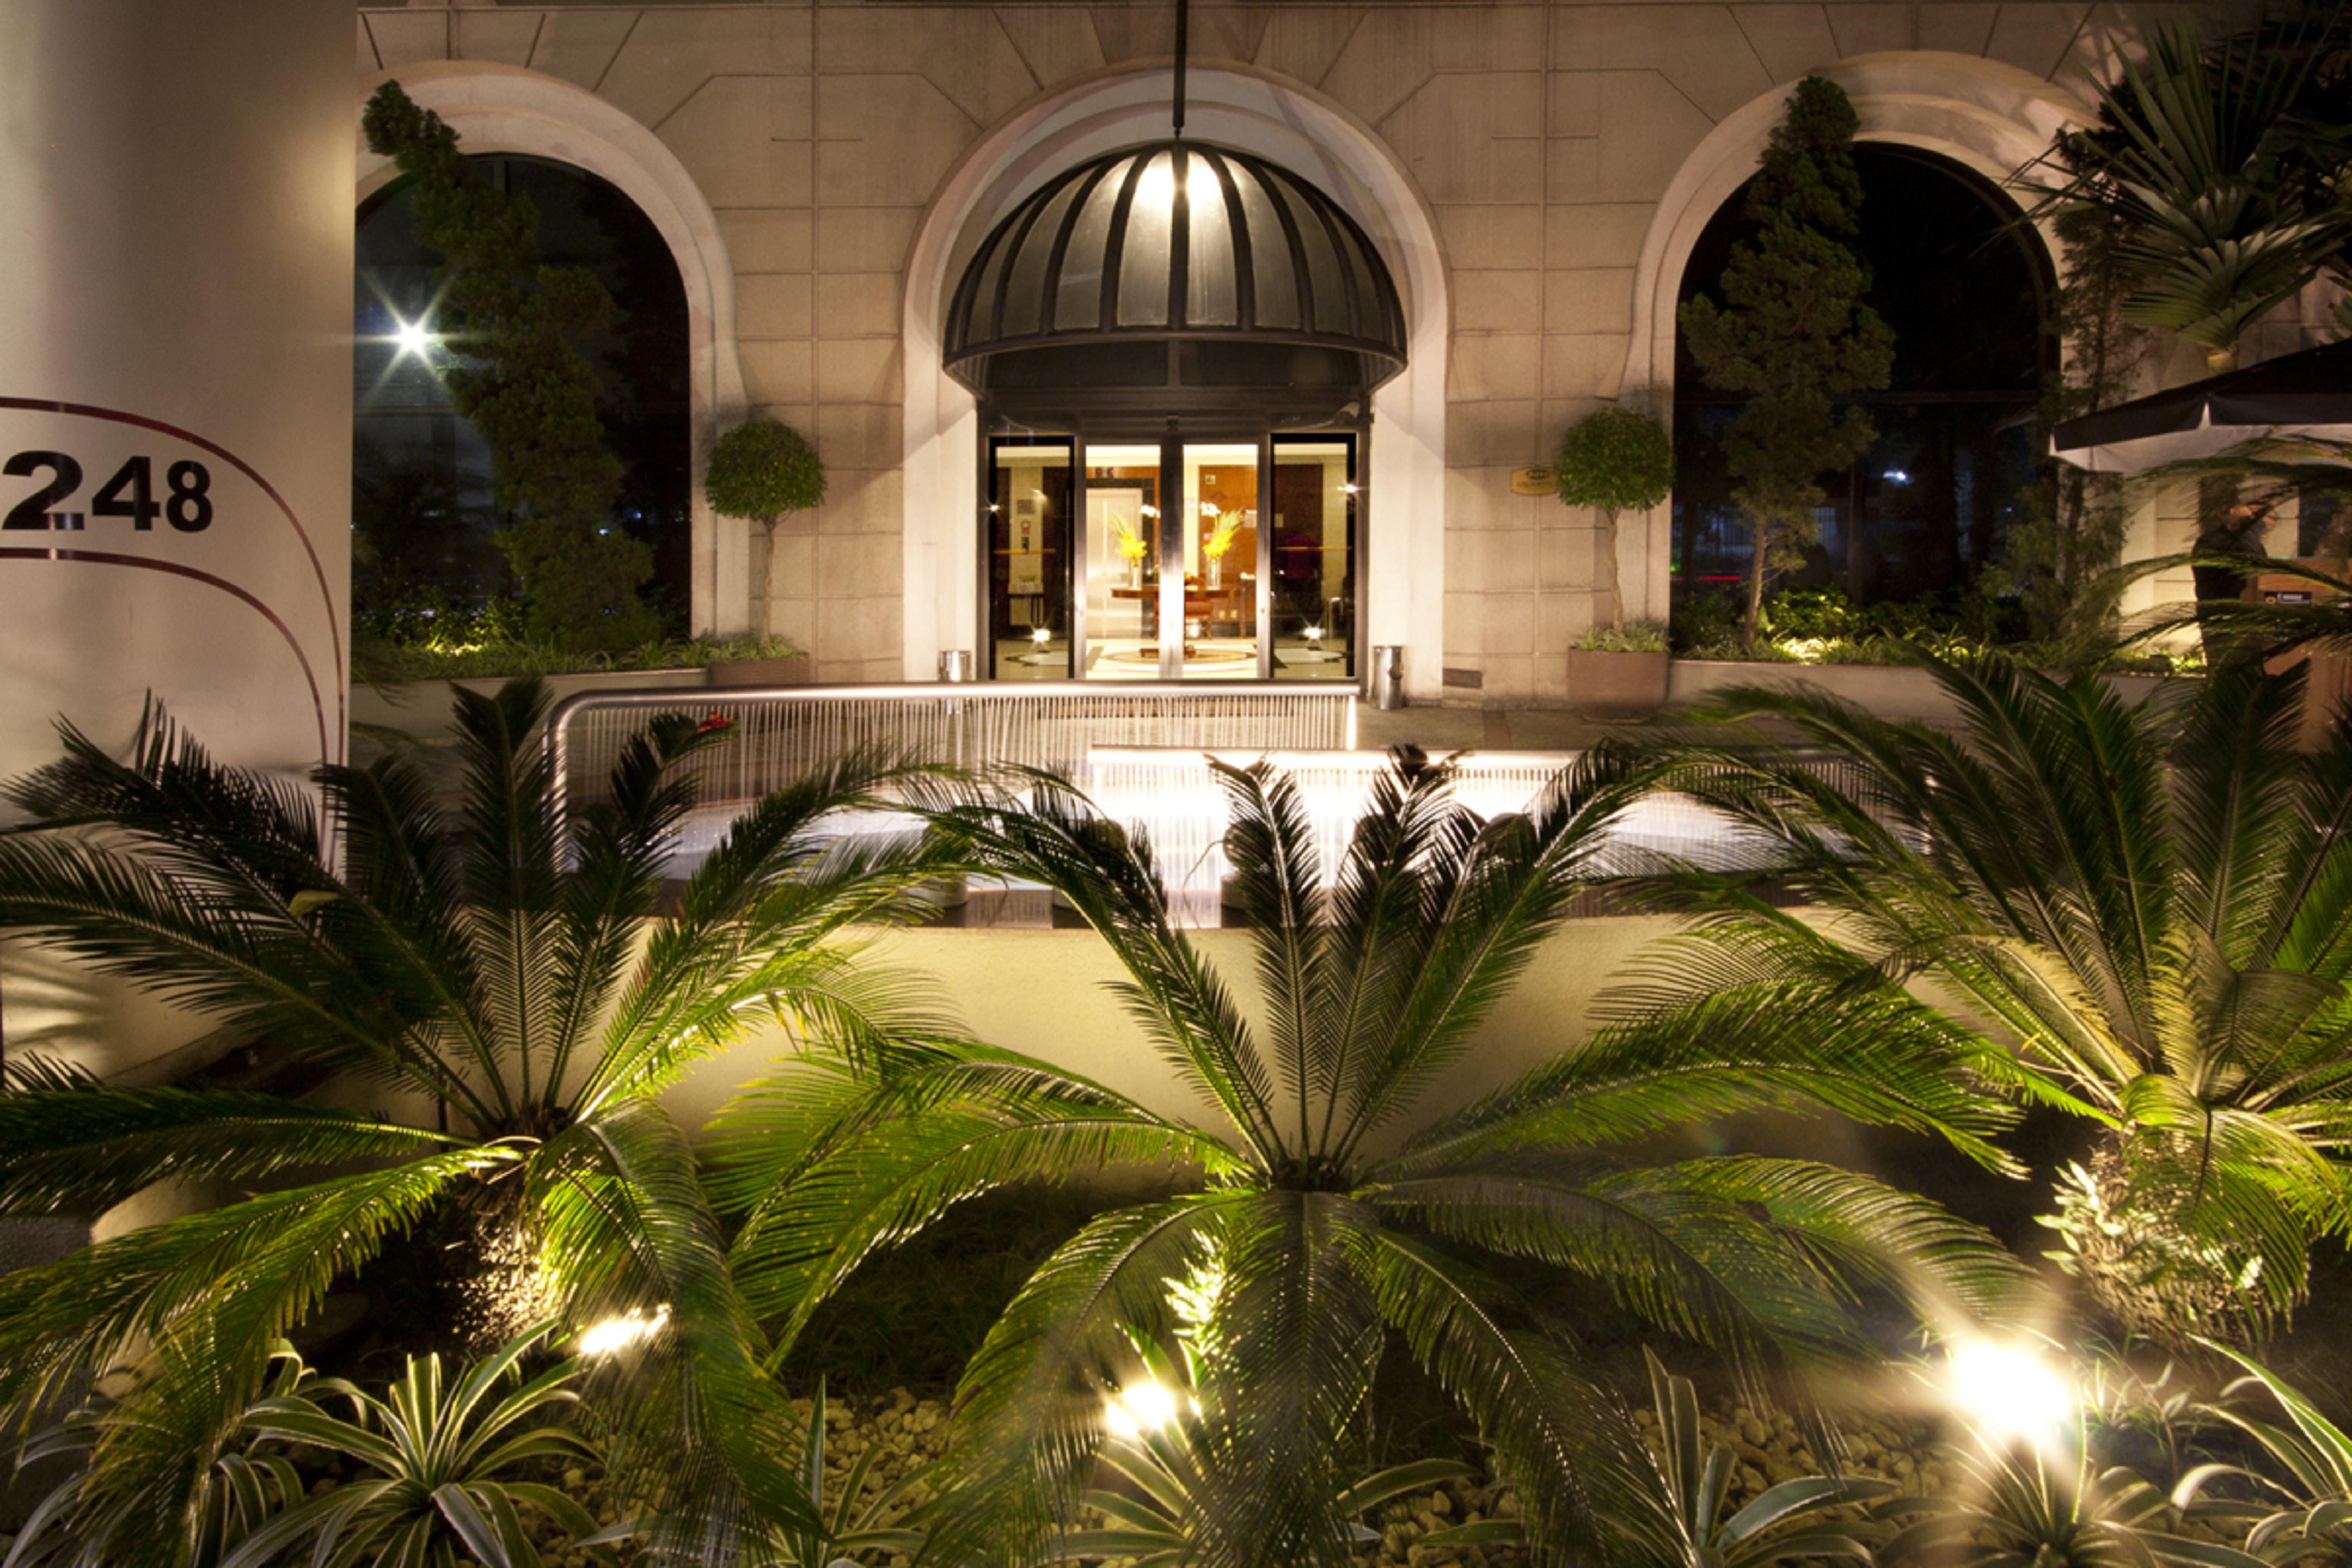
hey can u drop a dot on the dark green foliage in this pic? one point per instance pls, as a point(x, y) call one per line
point(1308, 1222)
point(517, 965)
point(1615, 460)
point(762, 467)
point(1793, 332)
point(528, 390)
point(2223, 169)
point(2135, 916)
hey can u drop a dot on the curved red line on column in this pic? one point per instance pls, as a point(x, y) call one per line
point(141, 562)
point(326, 595)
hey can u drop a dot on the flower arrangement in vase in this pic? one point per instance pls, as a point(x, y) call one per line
point(1131, 548)
point(1221, 539)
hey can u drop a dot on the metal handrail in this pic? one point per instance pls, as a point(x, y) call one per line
point(945, 715)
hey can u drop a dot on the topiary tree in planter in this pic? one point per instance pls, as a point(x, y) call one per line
point(760, 470)
point(1615, 460)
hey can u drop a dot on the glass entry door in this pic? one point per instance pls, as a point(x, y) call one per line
point(1125, 561)
point(1215, 556)
point(1168, 558)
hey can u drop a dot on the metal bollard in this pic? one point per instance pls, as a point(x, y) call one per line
point(1388, 677)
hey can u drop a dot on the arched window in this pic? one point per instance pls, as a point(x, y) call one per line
point(422, 513)
point(1962, 282)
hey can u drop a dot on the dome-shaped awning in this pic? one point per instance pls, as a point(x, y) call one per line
point(1263, 279)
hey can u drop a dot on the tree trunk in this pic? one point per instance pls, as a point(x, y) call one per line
point(1608, 570)
point(1761, 532)
point(768, 585)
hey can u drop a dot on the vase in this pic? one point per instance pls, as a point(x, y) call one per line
point(1135, 572)
point(1216, 572)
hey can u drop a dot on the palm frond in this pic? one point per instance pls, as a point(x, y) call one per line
point(77, 1144)
point(1573, 1454)
point(1285, 1326)
point(210, 1294)
point(699, 1431)
point(260, 1265)
point(1106, 873)
point(894, 1177)
point(1764, 1258)
point(1276, 881)
point(1504, 886)
point(1031, 1400)
point(616, 845)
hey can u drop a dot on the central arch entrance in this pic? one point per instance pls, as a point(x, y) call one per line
point(1066, 432)
point(1173, 347)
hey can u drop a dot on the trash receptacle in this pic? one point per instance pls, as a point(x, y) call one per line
point(1388, 677)
point(956, 664)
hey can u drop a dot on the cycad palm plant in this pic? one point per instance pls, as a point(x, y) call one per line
point(2138, 916)
point(2227, 189)
point(510, 976)
point(1309, 1225)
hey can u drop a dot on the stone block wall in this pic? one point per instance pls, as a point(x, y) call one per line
point(1542, 137)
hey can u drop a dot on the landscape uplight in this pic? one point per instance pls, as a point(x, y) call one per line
point(1139, 1407)
point(623, 1331)
point(2009, 1391)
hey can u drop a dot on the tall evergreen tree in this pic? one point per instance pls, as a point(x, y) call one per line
point(525, 385)
point(1791, 332)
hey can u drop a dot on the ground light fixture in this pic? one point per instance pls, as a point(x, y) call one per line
point(623, 1331)
point(2010, 1391)
point(1141, 1409)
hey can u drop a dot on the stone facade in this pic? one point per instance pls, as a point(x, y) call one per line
point(1562, 153)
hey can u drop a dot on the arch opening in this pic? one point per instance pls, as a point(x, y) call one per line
point(1385, 433)
point(1924, 512)
point(424, 517)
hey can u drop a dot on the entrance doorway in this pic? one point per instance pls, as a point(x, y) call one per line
point(1174, 347)
point(1173, 557)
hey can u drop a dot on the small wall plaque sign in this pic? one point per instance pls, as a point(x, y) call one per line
point(1535, 481)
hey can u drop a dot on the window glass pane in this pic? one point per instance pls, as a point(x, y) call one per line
point(1221, 513)
point(983, 326)
point(1079, 306)
point(1211, 297)
point(1028, 555)
point(1313, 559)
point(1143, 265)
point(1324, 273)
point(1122, 561)
point(1270, 264)
point(1024, 307)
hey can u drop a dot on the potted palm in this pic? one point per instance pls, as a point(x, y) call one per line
point(759, 471)
point(1614, 459)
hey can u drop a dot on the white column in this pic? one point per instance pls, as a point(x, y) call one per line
point(175, 365)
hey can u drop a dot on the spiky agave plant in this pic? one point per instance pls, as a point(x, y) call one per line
point(444, 1467)
point(1314, 1225)
point(245, 1485)
point(511, 966)
point(2295, 1505)
point(2136, 916)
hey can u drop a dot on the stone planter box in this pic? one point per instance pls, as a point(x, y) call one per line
point(797, 670)
point(1611, 684)
point(420, 709)
point(1898, 691)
